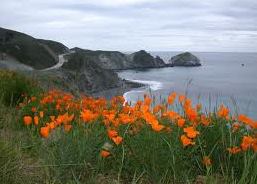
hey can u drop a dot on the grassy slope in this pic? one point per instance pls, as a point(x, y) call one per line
point(144, 156)
point(25, 48)
point(57, 47)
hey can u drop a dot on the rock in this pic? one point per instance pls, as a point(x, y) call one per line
point(143, 59)
point(185, 59)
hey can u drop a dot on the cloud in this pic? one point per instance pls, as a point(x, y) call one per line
point(197, 25)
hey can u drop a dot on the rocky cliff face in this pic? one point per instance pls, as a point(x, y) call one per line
point(185, 59)
point(114, 60)
point(87, 75)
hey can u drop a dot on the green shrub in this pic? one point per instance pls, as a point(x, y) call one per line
point(14, 87)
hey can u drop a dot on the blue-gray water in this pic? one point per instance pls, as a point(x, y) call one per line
point(220, 79)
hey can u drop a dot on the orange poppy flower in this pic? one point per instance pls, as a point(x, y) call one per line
point(147, 100)
point(181, 98)
point(223, 112)
point(187, 103)
point(117, 140)
point(36, 120)
point(145, 108)
point(52, 125)
point(88, 115)
point(246, 120)
point(171, 98)
point(33, 109)
point(105, 154)
point(44, 131)
point(41, 114)
point(157, 108)
point(126, 118)
point(181, 122)
point(246, 142)
point(234, 150)
point(205, 121)
point(157, 127)
point(27, 120)
point(206, 161)
point(33, 98)
point(112, 133)
point(186, 141)
point(191, 113)
point(191, 132)
point(172, 115)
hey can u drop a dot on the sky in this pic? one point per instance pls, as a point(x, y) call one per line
point(130, 25)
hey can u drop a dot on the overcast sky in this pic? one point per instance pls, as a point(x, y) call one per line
point(128, 25)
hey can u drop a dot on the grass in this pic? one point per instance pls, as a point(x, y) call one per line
point(14, 87)
point(69, 147)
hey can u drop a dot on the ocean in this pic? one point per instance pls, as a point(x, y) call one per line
point(223, 78)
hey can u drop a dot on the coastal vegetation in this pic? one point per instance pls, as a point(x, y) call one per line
point(55, 137)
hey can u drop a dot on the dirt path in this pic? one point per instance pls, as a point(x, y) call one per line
point(61, 60)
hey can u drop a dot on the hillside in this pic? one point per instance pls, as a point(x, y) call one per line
point(41, 54)
point(81, 75)
point(56, 47)
point(114, 60)
point(28, 50)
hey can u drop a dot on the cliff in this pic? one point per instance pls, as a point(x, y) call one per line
point(88, 76)
point(114, 60)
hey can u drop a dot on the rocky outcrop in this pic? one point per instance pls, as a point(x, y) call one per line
point(142, 59)
point(184, 59)
point(89, 76)
point(159, 62)
point(114, 60)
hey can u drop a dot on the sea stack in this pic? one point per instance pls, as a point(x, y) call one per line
point(185, 59)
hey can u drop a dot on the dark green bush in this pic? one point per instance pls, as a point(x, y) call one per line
point(14, 87)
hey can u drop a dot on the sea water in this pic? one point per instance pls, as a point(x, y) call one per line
point(223, 78)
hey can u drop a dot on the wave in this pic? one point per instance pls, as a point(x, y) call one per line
point(153, 85)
